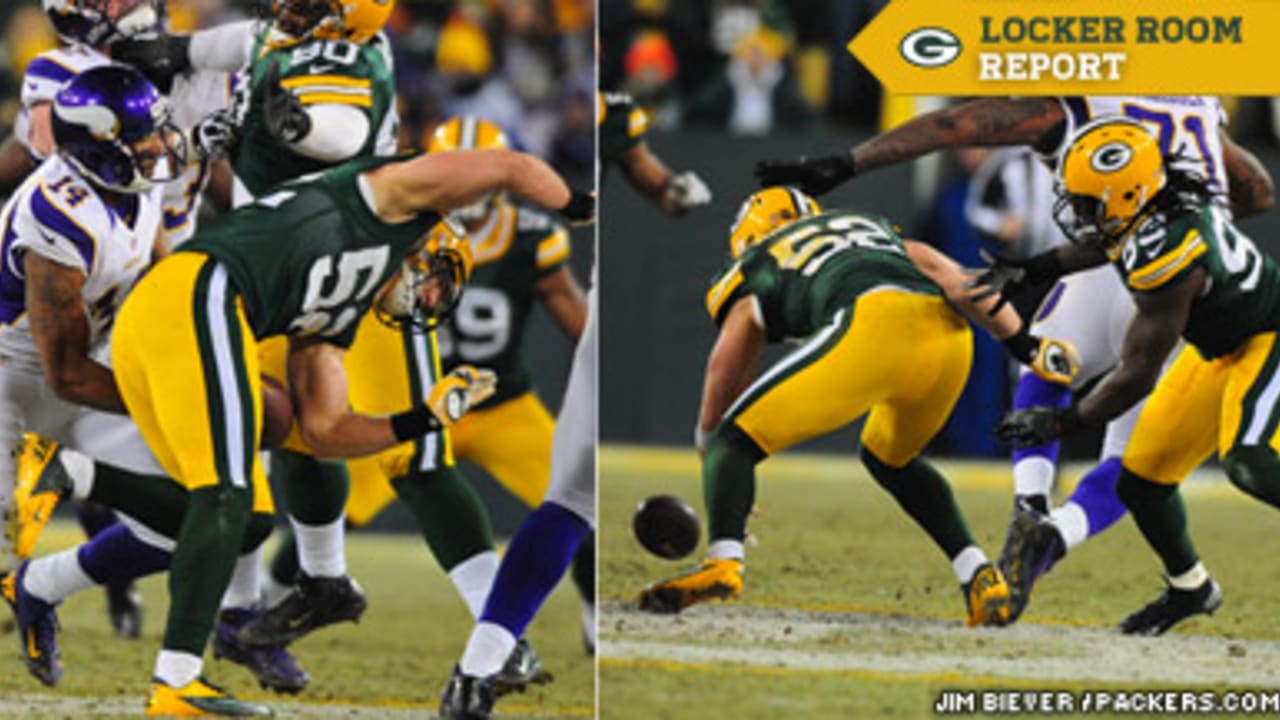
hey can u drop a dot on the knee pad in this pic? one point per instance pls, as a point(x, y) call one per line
point(259, 529)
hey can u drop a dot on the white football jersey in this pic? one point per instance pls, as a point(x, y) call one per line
point(1187, 128)
point(193, 96)
point(45, 76)
point(57, 214)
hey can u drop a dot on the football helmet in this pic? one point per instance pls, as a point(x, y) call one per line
point(430, 282)
point(356, 21)
point(766, 211)
point(100, 22)
point(115, 127)
point(470, 133)
point(1106, 178)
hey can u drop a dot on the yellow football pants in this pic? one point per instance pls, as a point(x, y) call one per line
point(186, 362)
point(901, 355)
point(1202, 405)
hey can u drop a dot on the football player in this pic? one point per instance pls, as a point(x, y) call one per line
point(307, 261)
point(1189, 127)
point(848, 283)
point(622, 127)
point(1192, 275)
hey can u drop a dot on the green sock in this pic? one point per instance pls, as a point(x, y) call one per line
point(925, 495)
point(729, 481)
point(1162, 517)
point(156, 501)
point(284, 564)
point(450, 514)
point(1255, 470)
point(315, 491)
point(208, 546)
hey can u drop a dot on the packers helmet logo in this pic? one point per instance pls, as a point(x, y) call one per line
point(930, 47)
point(1112, 157)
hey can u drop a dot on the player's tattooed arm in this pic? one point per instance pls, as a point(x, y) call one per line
point(565, 301)
point(1251, 188)
point(1152, 335)
point(733, 363)
point(324, 414)
point(56, 312)
point(986, 122)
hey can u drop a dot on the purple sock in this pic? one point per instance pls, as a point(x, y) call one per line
point(1096, 495)
point(1032, 391)
point(537, 557)
point(116, 556)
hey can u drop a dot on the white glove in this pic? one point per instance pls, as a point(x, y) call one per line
point(687, 191)
point(213, 135)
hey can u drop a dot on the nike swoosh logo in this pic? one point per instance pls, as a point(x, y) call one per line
point(32, 651)
point(295, 623)
point(320, 69)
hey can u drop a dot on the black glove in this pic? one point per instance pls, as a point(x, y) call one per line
point(581, 208)
point(213, 135)
point(158, 56)
point(1037, 425)
point(1007, 277)
point(815, 176)
point(287, 120)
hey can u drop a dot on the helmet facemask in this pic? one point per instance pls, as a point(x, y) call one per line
point(428, 288)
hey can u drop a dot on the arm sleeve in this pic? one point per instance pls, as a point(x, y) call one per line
point(226, 47)
point(338, 132)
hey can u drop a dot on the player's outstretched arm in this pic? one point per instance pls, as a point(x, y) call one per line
point(60, 327)
point(446, 181)
point(986, 122)
point(674, 193)
point(1251, 188)
point(733, 363)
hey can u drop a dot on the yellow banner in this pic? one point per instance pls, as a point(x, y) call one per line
point(1074, 47)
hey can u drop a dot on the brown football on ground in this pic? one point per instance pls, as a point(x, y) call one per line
point(277, 412)
point(666, 526)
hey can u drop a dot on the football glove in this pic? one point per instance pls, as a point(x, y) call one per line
point(157, 55)
point(815, 177)
point(687, 191)
point(581, 208)
point(1037, 425)
point(1055, 360)
point(464, 387)
point(287, 120)
point(213, 135)
point(1007, 277)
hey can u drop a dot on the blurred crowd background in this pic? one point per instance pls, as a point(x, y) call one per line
point(528, 65)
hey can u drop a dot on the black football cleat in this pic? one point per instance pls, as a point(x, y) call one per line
point(312, 604)
point(522, 669)
point(1032, 546)
point(1172, 607)
point(467, 697)
point(275, 667)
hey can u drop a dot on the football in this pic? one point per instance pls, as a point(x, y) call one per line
point(666, 526)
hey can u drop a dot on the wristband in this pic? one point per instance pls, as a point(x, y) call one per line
point(413, 424)
point(581, 206)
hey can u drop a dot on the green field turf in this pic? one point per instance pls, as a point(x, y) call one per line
point(393, 664)
point(849, 610)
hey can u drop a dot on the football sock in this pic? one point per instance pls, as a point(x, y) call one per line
point(487, 650)
point(284, 564)
point(1071, 522)
point(94, 517)
point(967, 561)
point(450, 515)
point(1255, 470)
point(315, 491)
point(320, 547)
point(925, 495)
point(726, 549)
point(584, 569)
point(116, 556)
point(82, 470)
point(1191, 579)
point(1033, 467)
point(177, 669)
point(153, 500)
point(473, 578)
point(55, 577)
point(245, 589)
point(1161, 515)
point(1095, 495)
point(209, 544)
point(537, 557)
point(729, 480)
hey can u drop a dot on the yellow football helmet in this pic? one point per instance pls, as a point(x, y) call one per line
point(1108, 174)
point(431, 280)
point(356, 21)
point(766, 211)
point(470, 133)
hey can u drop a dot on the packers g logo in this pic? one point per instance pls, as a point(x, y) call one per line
point(1112, 157)
point(930, 47)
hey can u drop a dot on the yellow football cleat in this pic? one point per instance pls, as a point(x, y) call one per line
point(200, 698)
point(40, 485)
point(987, 596)
point(715, 579)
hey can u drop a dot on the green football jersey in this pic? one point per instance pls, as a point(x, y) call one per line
point(318, 72)
point(622, 126)
point(804, 273)
point(1242, 295)
point(520, 248)
point(309, 257)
